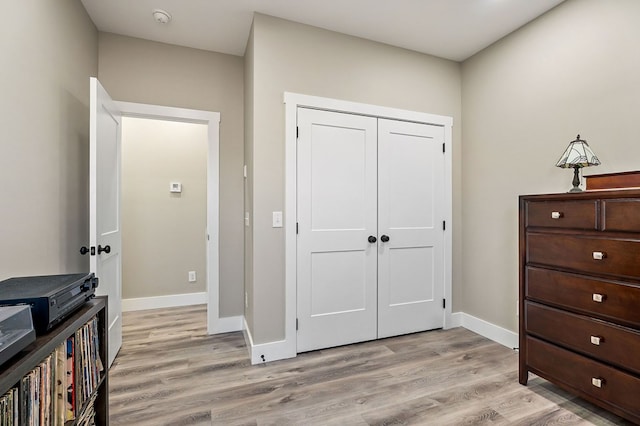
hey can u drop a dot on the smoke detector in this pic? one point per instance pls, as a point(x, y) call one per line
point(161, 16)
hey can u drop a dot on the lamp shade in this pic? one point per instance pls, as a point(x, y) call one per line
point(578, 154)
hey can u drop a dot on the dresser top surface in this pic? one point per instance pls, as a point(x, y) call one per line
point(585, 195)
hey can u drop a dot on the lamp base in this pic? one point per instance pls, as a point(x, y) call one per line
point(576, 180)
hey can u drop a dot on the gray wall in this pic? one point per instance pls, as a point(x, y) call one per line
point(298, 58)
point(163, 233)
point(574, 70)
point(136, 70)
point(49, 51)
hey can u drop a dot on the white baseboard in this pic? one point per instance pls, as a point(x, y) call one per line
point(266, 352)
point(273, 351)
point(484, 328)
point(229, 324)
point(156, 302)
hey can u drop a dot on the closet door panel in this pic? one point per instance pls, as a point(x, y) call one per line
point(336, 194)
point(410, 214)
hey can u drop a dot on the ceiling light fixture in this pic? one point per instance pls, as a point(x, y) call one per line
point(161, 16)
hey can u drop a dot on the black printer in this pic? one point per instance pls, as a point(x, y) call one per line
point(51, 297)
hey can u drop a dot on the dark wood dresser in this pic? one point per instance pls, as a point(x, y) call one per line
point(580, 295)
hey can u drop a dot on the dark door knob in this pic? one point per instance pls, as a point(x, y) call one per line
point(372, 239)
point(106, 249)
point(384, 238)
point(84, 250)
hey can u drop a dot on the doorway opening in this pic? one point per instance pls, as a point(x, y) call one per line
point(164, 209)
point(210, 234)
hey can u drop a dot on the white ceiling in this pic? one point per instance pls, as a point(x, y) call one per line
point(452, 29)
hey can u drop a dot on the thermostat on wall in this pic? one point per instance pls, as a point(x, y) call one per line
point(175, 187)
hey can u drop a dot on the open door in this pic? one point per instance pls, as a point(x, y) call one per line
point(105, 131)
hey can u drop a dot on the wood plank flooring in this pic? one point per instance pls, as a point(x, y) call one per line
point(170, 372)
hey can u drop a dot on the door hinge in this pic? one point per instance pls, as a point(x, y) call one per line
point(444, 303)
point(443, 149)
point(444, 225)
point(296, 227)
point(297, 131)
point(296, 323)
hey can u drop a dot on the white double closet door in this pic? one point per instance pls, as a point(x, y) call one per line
point(370, 243)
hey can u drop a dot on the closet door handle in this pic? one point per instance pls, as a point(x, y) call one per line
point(106, 249)
point(384, 238)
point(372, 239)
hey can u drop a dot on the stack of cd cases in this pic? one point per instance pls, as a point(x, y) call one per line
point(16, 330)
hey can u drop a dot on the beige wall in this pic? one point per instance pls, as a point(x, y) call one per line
point(49, 51)
point(297, 58)
point(574, 70)
point(136, 70)
point(163, 233)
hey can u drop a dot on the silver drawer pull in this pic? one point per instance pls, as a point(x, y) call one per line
point(595, 340)
point(599, 255)
point(556, 215)
point(598, 297)
point(597, 382)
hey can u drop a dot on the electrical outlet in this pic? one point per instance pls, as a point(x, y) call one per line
point(192, 276)
point(277, 220)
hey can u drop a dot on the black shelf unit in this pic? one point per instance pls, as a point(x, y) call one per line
point(13, 370)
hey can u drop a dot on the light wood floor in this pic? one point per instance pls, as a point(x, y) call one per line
point(169, 372)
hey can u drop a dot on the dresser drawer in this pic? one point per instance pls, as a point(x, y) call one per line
point(621, 215)
point(562, 214)
point(602, 340)
point(615, 301)
point(617, 389)
point(619, 257)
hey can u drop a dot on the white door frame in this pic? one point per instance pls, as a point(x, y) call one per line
point(287, 348)
point(212, 120)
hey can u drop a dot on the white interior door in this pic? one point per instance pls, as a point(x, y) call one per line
point(370, 242)
point(410, 227)
point(104, 221)
point(336, 276)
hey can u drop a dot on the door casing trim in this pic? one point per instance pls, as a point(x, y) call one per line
point(292, 101)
